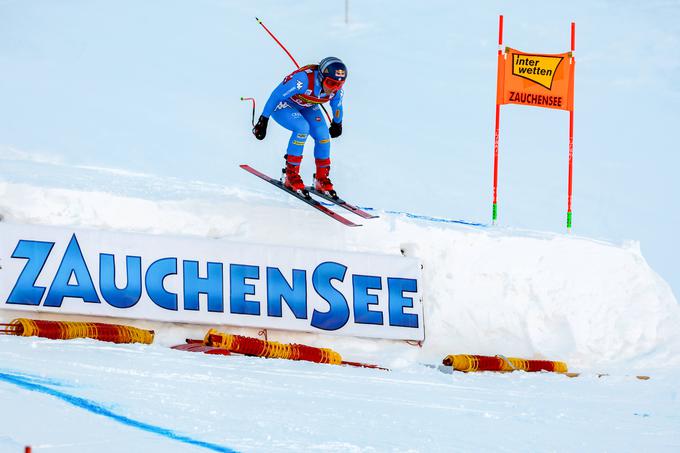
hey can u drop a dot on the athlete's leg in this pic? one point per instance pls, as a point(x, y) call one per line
point(291, 119)
point(318, 129)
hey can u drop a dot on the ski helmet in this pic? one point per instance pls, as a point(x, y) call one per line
point(333, 73)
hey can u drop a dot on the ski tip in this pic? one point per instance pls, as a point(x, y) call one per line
point(365, 215)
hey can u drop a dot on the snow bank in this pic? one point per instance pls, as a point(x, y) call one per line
point(486, 291)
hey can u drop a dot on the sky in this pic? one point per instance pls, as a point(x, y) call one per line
point(155, 87)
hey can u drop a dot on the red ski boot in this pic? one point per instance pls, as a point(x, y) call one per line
point(291, 174)
point(321, 181)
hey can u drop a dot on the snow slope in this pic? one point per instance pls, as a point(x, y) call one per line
point(83, 396)
point(596, 305)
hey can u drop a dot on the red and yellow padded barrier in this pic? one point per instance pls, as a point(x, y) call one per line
point(270, 349)
point(470, 363)
point(66, 330)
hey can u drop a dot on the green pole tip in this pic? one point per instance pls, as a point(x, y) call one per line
point(569, 217)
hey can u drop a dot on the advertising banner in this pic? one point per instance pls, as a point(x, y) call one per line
point(538, 80)
point(213, 282)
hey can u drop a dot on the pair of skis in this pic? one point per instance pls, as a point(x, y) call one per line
point(315, 203)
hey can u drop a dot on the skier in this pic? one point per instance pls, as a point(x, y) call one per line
point(296, 105)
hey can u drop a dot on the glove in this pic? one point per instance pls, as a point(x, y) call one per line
point(335, 129)
point(260, 129)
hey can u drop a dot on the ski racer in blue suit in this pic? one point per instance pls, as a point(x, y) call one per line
point(296, 105)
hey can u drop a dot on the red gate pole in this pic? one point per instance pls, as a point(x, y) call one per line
point(494, 215)
point(571, 134)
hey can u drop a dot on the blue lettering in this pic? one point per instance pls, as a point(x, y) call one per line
point(238, 273)
point(397, 302)
point(362, 300)
point(212, 286)
point(278, 289)
point(129, 295)
point(338, 313)
point(155, 275)
point(72, 266)
point(25, 292)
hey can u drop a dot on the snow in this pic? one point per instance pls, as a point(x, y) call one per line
point(596, 305)
point(138, 130)
point(274, 405)
point(487, 290)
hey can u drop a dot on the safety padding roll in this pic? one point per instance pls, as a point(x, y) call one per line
point(66, 330)
point(271, 349)
point(470, 363)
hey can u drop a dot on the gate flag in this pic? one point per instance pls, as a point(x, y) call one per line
point(539, 80)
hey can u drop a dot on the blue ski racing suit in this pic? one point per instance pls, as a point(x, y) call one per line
point(295, 105)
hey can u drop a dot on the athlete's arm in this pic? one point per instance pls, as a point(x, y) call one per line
point(336, 106)
point(296, 85)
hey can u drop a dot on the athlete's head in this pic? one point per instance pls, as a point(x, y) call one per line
point(333, 73)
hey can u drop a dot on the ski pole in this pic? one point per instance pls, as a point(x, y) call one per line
point(277, 42)
point(291, 57)
point(252, 100)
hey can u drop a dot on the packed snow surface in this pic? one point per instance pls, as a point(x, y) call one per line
point(486, 290)
point(84, 396)
point(598, 306)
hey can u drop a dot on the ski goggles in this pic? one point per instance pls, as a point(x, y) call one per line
point(332, 84)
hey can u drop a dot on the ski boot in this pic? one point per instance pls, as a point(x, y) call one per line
point(321, 181)
point(291, 175)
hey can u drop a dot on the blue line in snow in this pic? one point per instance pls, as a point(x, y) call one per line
point(39, 379)
point(437, 219)
point(25, 382)
point(419, 217)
